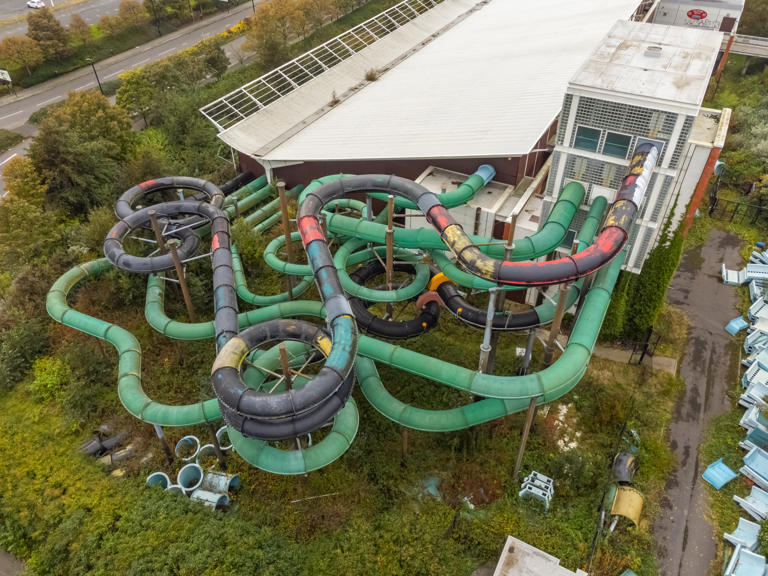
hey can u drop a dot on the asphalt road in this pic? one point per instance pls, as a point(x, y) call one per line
point(685, 539)
point(14, 111)
point(90, 10)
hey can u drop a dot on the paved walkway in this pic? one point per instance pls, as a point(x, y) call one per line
point(685, 540)
point(9, 566)
point(616, 354)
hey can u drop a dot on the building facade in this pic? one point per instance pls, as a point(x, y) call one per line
point(644, 84)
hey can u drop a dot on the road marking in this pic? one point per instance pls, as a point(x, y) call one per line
point(166, 51)
point(12, 114)
point(114, 74)
point(8, 159)
point(51, 100)
point(84, 86)
point(142, 62)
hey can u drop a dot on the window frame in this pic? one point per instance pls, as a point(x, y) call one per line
point(629, 145)
point(576, 137)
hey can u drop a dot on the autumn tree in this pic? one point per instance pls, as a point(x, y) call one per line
point(341, 7)
point(17, 51)
point(315, 12)
point(110, 25)
point(272, 27)
point(49, 34)
point(79, 150)
point(78, 30)
point(132, 14)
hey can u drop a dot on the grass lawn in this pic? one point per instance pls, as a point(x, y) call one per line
point(9, 139)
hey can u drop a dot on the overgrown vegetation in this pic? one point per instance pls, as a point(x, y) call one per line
point(65, 514)
point(639, 298)
point(373, 517)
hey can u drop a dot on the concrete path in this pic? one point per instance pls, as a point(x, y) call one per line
point(9, 566)
point(616, 354)
point(685, 540)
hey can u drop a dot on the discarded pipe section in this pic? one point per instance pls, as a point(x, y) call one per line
point(211, 488)
point(187, 448)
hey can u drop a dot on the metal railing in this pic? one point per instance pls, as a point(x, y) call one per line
point(737, 212)
point(239, 104)
point(747, 45)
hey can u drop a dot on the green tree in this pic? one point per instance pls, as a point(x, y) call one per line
point(78, 30)
point(51, 375)
point(48, 32)
point(28, 232)
point(216, 61)
point(746, 152)
point(79, 150)
point(175, 10)
point(136, 93)
point(150, 157)
point(647, 291)
point(341, 7)
point(754, 19)
point(17, 51)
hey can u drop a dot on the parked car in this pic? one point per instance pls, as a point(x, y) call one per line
point(35, 4)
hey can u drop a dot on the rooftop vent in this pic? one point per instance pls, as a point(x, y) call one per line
point(653, 51)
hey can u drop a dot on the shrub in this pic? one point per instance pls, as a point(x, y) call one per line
point(51, 374)
point(19, 346)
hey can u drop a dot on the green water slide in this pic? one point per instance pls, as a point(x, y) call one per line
point(501, 395)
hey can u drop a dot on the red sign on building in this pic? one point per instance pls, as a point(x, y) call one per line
point(697, 14)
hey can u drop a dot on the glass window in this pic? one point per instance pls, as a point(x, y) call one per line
point(616, 145)
point(587, 138)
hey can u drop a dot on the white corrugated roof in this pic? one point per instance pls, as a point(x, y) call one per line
point(487, 86)
point(677, 70)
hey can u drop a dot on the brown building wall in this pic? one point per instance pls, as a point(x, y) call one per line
point(506, 168)
point(530, 164)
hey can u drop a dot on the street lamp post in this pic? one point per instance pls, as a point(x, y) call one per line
point(90, 61)
point(253, 5)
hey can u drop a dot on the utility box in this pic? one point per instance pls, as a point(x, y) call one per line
point(722, 15)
